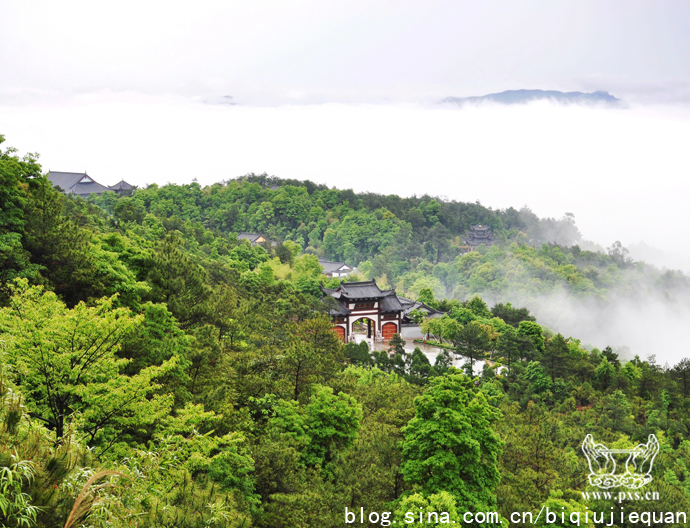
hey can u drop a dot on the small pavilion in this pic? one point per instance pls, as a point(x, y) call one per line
point(479, 234)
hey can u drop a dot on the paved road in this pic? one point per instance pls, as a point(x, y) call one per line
point(409, 335)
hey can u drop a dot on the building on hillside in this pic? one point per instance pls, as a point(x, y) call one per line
point(255, 238)
point(335, 269)
point(477, 235)
point(355, 301)
point(77, 183)
point(81, 184)
point(409, 306)
point(122, 187)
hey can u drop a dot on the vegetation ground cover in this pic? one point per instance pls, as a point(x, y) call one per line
point(155, 371)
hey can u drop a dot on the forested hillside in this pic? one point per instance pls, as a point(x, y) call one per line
point(408, 243)
point(157, 372)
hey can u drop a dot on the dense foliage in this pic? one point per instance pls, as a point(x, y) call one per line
point(157, 372)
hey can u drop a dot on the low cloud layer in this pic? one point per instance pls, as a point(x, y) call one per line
point(621, 172)
point(643, 327)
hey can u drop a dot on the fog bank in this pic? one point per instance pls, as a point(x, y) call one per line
point(621, 172)
point(645, 326)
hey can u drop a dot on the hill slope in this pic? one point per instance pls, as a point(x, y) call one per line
point(199, 379)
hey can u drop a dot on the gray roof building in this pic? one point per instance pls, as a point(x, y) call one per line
point(360, 290)
point(121, 187)
point(409, 306)
point(390, 302)
point(77, 183)
point(479, 234)
point(335, 269)
point(83, 185)
point(364, 291)
point(254, 238)
point(355, 301)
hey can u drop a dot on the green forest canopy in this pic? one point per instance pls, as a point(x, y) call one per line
point(154, 371)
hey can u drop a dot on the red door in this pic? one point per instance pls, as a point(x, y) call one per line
point(340, 331)
point(388, 330)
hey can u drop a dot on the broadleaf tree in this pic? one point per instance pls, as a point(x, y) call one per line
point(451, 445)
point(65, 360)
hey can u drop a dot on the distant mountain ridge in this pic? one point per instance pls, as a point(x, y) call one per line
point(525, 96)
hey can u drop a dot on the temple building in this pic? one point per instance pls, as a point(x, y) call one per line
point(77, 183)
point(255, 238)
point(477, 235)
point(122, 187)
point(81, 184)
point(409, 306)
point(357, 301)
point(335, 269)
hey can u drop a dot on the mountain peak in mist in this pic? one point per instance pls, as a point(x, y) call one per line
point(526, 96)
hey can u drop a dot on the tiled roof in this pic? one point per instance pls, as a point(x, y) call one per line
point(330, 267)
point(333, 293)
point(65, 180)
point(340, 308)
point(390, 302)
point(360, 290)
point(75, 183)
point(122, 185)
point(252, 237)
point(478, 235)
point(87, 188)
point(406, 303)
point(355, 291)
point(409, 305)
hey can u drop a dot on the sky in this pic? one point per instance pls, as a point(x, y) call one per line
point(347, 94)
point(269, 52)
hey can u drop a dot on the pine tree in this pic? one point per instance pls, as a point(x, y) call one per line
point(61, 249)
point(179, 282)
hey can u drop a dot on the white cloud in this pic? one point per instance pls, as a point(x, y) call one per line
point(622, 172)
